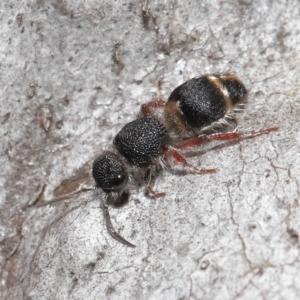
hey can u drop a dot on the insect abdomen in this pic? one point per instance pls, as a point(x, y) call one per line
point(206, 99)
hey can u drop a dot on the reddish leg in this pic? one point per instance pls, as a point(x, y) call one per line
point(155, 194)
point(223, 137)
point(146, 108)
point(179, 159)
point(159, 85)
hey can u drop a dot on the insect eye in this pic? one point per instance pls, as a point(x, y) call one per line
point(109, 172)
point(118, 179)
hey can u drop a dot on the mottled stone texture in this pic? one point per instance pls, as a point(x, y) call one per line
point(73, 73)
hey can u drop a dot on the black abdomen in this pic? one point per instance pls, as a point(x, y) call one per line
point(206, 99)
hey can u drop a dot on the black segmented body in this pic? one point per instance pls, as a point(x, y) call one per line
point(140, 141)
point(196, 103)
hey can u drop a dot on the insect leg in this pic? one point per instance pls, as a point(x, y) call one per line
point(197, 141)
point(146, 108)
point(179, 159)
point(155, 194)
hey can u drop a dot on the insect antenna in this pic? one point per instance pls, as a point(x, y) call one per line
point(63, 197)
point(110, 228)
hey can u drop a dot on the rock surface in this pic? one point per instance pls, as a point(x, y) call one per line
point(72, 74)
